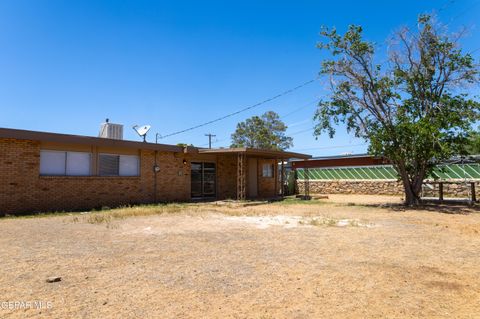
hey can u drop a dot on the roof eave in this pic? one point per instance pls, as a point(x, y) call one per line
point(257, 152)
point(84, 140)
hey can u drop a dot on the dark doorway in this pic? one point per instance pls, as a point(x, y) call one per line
point(203, 180)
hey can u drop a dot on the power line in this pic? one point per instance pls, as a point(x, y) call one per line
point(299, 108)
point(463, 12)
point(330, 147)
point(244, 109)
point(281, 117)
point(302, 131)
point(451, 20)
point(300, 123)
point(472, 52)
point(448, 3)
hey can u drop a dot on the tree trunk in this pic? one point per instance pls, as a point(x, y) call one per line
point(412, 198)
point(412, 187)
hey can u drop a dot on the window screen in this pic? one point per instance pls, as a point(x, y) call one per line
point(267, 170)
point(65, 163)
point(78, 164)
point(118, 165)
point(129, 165)
point(52, 163)
point(108, 165)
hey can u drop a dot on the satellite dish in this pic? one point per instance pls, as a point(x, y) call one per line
point(142, 131)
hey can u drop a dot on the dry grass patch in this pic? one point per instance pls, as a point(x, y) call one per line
point(244, 260)
point(109, 215)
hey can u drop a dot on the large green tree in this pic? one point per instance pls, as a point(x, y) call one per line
point(265, 132)
point(412, 108)
point(473, 145)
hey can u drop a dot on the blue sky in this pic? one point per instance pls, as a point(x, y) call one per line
point(65, 66)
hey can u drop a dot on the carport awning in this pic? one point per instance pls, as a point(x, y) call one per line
point(256, 152)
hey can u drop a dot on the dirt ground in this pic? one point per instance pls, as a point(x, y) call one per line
point(345, 257)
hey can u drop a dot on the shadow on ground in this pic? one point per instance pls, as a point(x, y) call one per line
point(444, 208)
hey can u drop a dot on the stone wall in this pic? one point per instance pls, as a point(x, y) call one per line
point(383, 187)
point(457, 190)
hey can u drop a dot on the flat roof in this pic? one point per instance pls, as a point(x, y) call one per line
point(107, 142)
point(255, 152)
point(333, 157)
point(85, 140)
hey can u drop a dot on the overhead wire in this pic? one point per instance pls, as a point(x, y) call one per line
point(330, 147)
point(448, 3)
point(243, 109)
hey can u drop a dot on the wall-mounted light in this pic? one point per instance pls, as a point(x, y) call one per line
point(156, 168)
point(184, 162)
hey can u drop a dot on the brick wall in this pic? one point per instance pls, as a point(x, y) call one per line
point(23, 190)
point(173, 180)
point(227, 176)
point(19, 162)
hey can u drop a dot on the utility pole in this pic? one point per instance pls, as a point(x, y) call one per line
point(210, 135)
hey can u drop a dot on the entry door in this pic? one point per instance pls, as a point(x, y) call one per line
point(196, 184)
point(252, 177)
point(203, 176)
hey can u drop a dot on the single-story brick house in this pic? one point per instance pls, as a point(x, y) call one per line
point(42, 171)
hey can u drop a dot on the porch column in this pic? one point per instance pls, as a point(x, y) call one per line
point(307, 182)
point(275, 176)
point(282, 179)
point(241, 171)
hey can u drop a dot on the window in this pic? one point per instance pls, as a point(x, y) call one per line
point(65, 163)
point(118, 165)
point(78, 164)
point(267, 170)
point(108, 165)
point(129, 165)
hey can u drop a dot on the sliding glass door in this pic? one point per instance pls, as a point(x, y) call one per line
point(203, 180)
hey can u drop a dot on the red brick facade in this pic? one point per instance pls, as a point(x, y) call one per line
point(226, 176)
point(22, 189)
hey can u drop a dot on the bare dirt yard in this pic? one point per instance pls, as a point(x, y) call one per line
point(345, 257)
